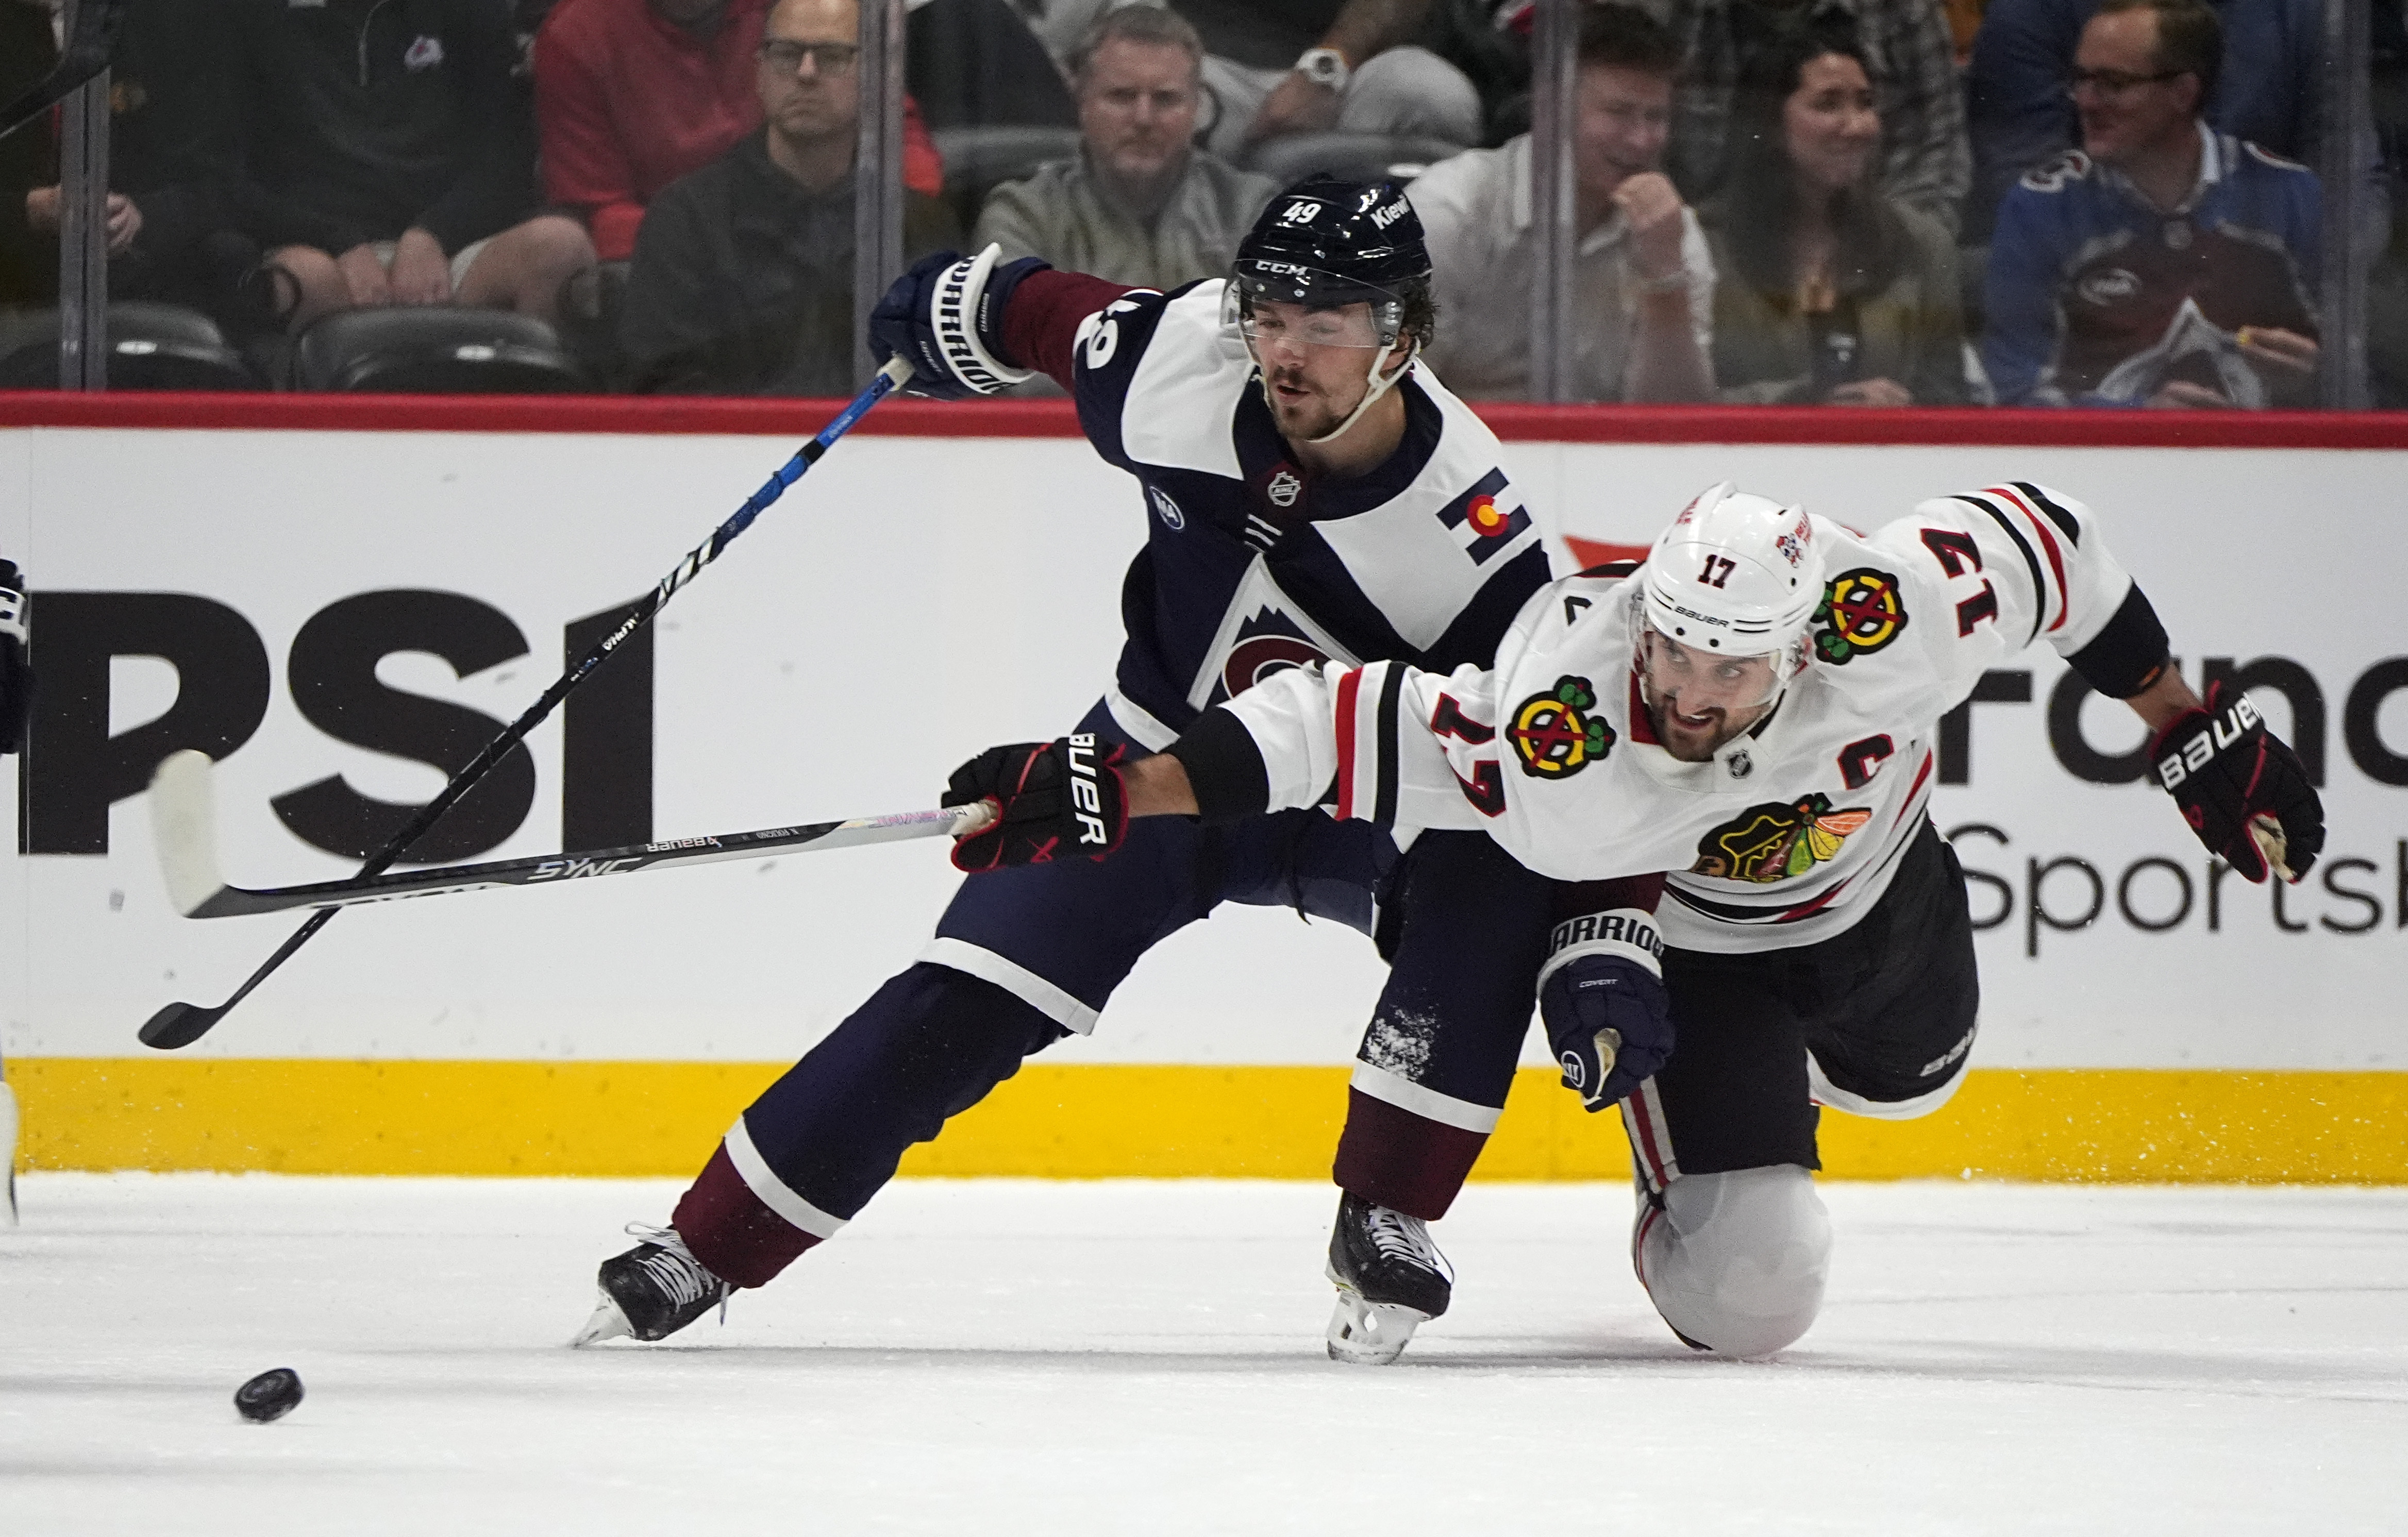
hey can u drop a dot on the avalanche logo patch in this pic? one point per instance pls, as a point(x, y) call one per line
point(1774, 842)
point(1555, 735)
point(1860, 613)
point(1268, 642)
point(1486, 518)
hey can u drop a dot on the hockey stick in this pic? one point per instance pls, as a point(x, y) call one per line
point(180, 1024)
point(89, 43)
point(183, 817)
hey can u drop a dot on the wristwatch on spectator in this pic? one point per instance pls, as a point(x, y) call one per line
point(1325, 67)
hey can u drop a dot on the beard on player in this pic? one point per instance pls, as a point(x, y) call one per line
point(1699, 703)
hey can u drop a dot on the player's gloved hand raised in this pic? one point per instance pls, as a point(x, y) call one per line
point(946, 316)
point(1054, 801)
point(1604, 1006)
point(16, 673)
point(2242, 788)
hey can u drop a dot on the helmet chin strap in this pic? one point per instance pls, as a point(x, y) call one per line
point(1378, 385)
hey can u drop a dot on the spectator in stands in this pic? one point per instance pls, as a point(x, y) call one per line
point(632, 94)
point(1140, 205)
point(1642, 282)
point(744, 276)
point(1297, 67)
point(2163, 264)
point(2268, 87)
point(385, 154)
point(1827, 291)
point(1925, 161)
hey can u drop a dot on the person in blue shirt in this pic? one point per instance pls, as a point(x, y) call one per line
point(2163, 264)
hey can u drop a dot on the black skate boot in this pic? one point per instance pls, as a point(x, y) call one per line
point(652, 1290)
point(1390, 1277)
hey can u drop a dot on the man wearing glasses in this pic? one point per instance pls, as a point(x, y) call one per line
point(743, 274)
point(2163, 264)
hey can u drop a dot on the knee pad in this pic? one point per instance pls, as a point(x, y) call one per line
point(1736, 1262)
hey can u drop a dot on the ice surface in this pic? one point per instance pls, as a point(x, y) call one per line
point(1004, 1356)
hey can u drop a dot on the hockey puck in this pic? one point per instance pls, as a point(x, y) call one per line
point(270, 1395)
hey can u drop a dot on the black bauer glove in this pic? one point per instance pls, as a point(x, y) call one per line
point(1054, 800)
point(946, 316)
point(2242, 788)
point(16, 670)
point(1602, 997)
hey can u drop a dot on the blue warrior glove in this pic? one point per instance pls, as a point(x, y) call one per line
point(1602, 997)
point(16, 673)
point(946, 316)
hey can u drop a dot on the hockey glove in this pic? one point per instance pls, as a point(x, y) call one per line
point(2242, 788)
point(1054, 800)
point(1602, 997)
point(16, 671)
point(946, 315)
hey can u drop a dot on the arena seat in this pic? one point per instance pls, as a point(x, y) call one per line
point(434, 349)
point(150, 347)
point(980, 160)
point(1351, 157)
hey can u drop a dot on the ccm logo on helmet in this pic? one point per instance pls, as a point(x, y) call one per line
point(2193, 755)
point(1083, 794)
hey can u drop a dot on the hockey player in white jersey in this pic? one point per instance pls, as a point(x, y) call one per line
point(1752, 709)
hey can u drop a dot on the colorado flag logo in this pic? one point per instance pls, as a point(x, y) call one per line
point(1486, 519)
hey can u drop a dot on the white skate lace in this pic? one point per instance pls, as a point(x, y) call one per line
point(1398, 1236)
point(675, 1270)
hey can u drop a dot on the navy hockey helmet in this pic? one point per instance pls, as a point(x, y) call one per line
point(1324, 243)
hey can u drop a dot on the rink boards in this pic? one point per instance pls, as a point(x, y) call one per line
point(948, 579)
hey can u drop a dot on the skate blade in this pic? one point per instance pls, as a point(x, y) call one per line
point(607, 1323)
point(1365, 1333)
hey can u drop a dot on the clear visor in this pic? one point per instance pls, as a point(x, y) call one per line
point(1266, 320)
point(1693, 679)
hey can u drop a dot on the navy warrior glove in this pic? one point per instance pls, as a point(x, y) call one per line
point(1602, 997)
point(16, 671)
point(946, 316)
point(1053, 800)
point(2242, 788)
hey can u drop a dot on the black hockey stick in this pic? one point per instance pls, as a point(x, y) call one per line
point(90, 40)
point(181, 1024)
point(183, 819)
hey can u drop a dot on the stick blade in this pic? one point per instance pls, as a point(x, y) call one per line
point(177, 1025)
point(184, 829)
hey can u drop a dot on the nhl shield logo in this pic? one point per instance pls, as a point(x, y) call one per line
point(1284, 488)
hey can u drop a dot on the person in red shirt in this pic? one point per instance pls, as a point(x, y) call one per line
point(632, 94)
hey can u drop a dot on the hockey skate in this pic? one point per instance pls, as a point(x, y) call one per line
point(652, 1290)
point(1390, 1277)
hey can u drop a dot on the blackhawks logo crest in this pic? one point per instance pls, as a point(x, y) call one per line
point(1860, 613)
point(1556, 735)
point(1776, 842)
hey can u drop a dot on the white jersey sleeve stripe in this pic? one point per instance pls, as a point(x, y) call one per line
point(2032, 563)
point(2047, 543)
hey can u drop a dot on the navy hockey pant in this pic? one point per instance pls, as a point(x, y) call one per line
point(1024, 956)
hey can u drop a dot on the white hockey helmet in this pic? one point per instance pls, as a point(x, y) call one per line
point(1736, 574)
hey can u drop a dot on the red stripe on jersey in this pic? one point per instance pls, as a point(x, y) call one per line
point(1808, 909)
point(1643, 725)
point(1920, 774)
point(1347, 688)
point(2047, 542)
point(1649, 1141)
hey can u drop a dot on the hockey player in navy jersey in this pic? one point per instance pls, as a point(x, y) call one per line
point(2163, 264)
point(16, 703)
point(1753, 709)
point(1311, 493)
